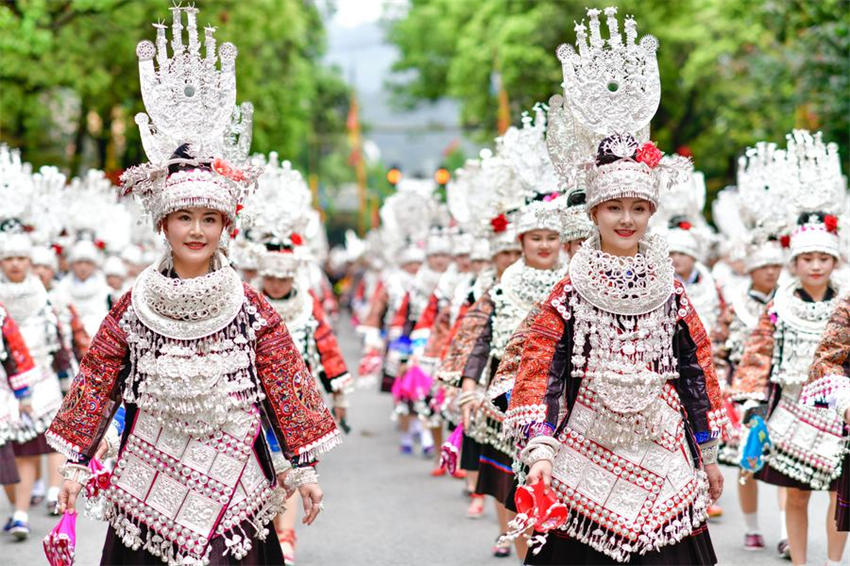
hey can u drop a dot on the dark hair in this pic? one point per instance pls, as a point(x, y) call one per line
point(277, 246)
point(605, 153)
point(805, 216)
point(184, 151)
point(577, 198)
point(676, 220)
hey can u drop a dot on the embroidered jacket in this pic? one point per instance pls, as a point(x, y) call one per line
point(18, 371)
point(544, 391)
point(293, 407)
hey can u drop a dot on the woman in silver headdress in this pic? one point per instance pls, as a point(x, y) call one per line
point(202, 362)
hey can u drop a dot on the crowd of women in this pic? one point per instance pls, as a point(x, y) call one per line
point(564, 330)
point(575, 322)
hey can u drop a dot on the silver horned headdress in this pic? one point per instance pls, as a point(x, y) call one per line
point(191, 104)
point(611, 92)
point(817, 194)
point(613, 85)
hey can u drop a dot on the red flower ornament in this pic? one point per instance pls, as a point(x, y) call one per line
point(296, 239)
point(649, 155)
point(234, 232)
point(685, 225)
point(224, 169)
point(499, 223)
point(785, 241)
point(100, 244)
point(831, 223)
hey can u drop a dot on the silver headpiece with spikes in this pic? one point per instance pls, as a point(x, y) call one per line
point(189, 100)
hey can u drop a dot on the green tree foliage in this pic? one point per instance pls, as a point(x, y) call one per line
point(68, 72)
point(733, 72)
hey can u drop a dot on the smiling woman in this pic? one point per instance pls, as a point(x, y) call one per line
point(193, 235)
point(202, 363)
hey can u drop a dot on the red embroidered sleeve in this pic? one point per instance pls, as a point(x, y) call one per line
point(464, 308)
point(470, 327)
point(503, 381)
point(439, 337)
point(422, 329)
point(330, 355)
point(377, 306)
point(716, 416)
point(298, 414)
point(545, 327)
point(752, 374)
point(80, 339)
point(399, 319)
point(88, 406)
point(834, 350)
point(19, 366)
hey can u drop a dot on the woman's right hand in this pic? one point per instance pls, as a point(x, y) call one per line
point(68, 495)
point(541, 470)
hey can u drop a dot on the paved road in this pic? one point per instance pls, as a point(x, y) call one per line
point(383, 509)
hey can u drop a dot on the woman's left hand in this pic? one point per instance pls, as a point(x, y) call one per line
point(715, 481)
point(311, 498)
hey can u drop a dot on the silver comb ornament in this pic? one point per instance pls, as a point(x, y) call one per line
point(611, 85)
point(188, 98)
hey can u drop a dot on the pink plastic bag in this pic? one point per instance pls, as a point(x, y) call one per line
point(450, 451)
point(60, 543)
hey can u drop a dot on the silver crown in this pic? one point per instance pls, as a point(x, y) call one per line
point(281, 204)
point(16, 184)
point(525, 149)
point(187, 98)
point(764, 184)
point(815, 173)
point(611, 85)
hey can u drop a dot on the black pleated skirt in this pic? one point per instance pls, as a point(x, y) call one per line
point(495, 476)
point(36, 447)
point(261, 553)
point(561, 550)
point(777, 478)
point(470, 451)
point(842, 508)
point(8, 467)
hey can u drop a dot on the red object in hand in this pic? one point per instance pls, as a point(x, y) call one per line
point(831, 223)
point(541, 505)
point(500, 223)
point(649, 154)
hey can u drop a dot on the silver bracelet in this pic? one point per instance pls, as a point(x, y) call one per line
point(112, 439)
point(539, 448)
point(297, 477)
point(78, 473)
point(709, 454)
point(467, 397)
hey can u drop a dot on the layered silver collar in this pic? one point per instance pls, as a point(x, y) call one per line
point(524, 286)
point(23, 299)
point(187, 309)
point(803, 315)
point(296, 309)
point(629, 285)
